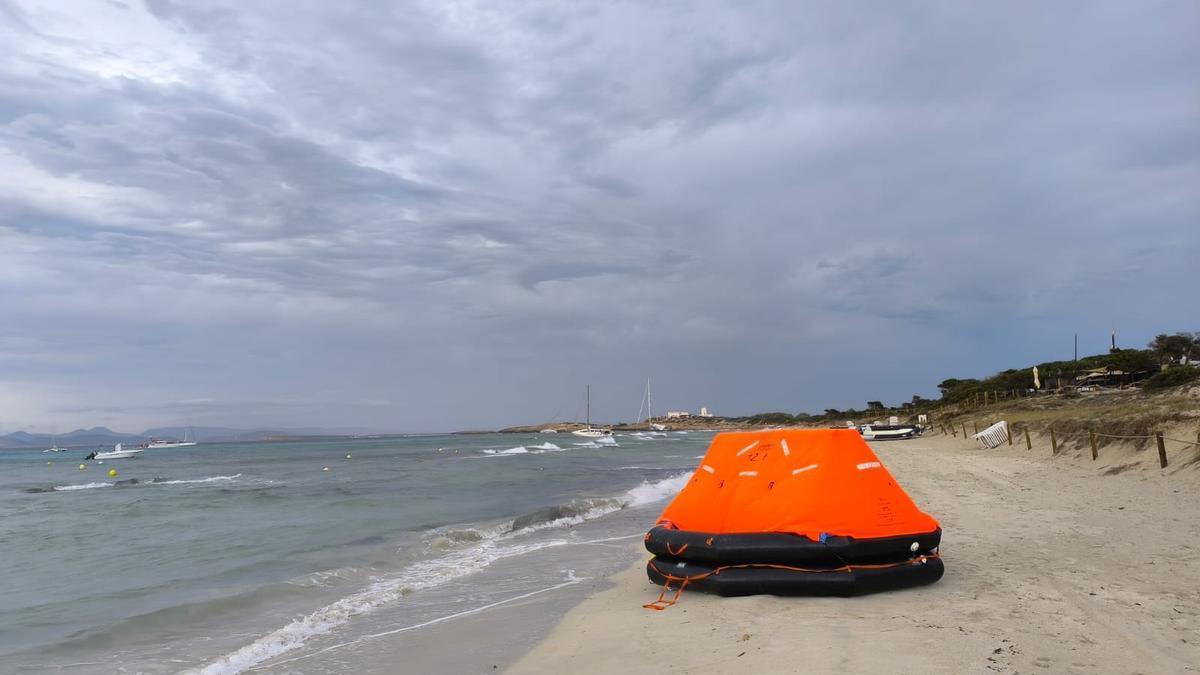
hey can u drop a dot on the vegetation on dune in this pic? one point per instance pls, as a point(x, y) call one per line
point(1169, 361)
point(1174, 377)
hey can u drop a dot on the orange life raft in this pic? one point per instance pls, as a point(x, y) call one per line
point(793, 512)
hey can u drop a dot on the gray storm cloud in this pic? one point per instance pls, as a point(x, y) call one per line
point(440, 215)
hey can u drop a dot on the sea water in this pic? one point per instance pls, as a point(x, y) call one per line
point(220, 558)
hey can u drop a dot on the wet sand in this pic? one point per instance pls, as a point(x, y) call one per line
point(1054, 565)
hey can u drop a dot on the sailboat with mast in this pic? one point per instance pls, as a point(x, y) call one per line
point(54, 441)
point(590, 431)
point(650, 416)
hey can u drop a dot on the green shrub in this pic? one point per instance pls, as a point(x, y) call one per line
point(1171, 378)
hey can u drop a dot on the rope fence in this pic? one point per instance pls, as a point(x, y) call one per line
point(1055, 440)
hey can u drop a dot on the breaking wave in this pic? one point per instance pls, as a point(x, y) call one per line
point(210, 479)
point(463, 551)
point(84, 486)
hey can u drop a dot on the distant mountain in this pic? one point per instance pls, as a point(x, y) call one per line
point(78, 437)
point(106, 436)
point(94, 431)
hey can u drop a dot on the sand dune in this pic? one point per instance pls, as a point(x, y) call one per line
point(1055, 565)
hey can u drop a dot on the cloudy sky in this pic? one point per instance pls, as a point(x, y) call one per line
point(441, 215)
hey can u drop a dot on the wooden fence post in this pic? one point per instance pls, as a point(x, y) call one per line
point(1092, 434)
point(1053, 441)
point(1162, 450)
point(1008, 430)
point(964, 425)
point(976, 425)
point(1028, 443)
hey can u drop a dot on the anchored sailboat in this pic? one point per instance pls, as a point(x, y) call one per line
point(54, 441)
point(650, 424)
point(590, 431)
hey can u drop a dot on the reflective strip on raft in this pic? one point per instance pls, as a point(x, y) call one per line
point(868, 465)
point(747, 473)
point(746, 449)
point(708, 468)
point(802, 469)
point(786, 450)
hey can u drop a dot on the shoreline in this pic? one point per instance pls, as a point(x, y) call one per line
point(1045, 571)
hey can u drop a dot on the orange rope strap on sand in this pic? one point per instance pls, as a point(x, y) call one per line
point(662, 603)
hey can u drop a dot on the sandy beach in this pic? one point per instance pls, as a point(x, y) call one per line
point(1053, 564)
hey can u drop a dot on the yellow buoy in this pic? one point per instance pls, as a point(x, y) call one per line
point(112, 473)
point(82, 467)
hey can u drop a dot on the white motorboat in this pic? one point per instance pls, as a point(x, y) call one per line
point(159, 444)
point(116, 453)
point(590, 431)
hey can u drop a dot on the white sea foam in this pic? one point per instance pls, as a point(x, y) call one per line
point(606, 440)
point(84, 486)
point(648, 493)
point(586, 444)
point(519, 450)
point(493, 545)
point(210, 479)
point(642, 468)
point(547, 446)
point(419, 576)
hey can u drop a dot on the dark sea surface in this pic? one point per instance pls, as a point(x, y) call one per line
point(224, 557)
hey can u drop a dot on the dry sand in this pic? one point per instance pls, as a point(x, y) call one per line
point(1053, 565)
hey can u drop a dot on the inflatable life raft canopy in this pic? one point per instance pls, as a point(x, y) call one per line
point(792, 512)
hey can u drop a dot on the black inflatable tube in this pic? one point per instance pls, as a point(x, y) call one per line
point(739, 581)
point(786, 549)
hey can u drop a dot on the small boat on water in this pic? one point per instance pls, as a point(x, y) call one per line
point(590, 431)
point(54, 444)
point(116, 453)
point(160, 444)
point(593, 432)
point(651, 425)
